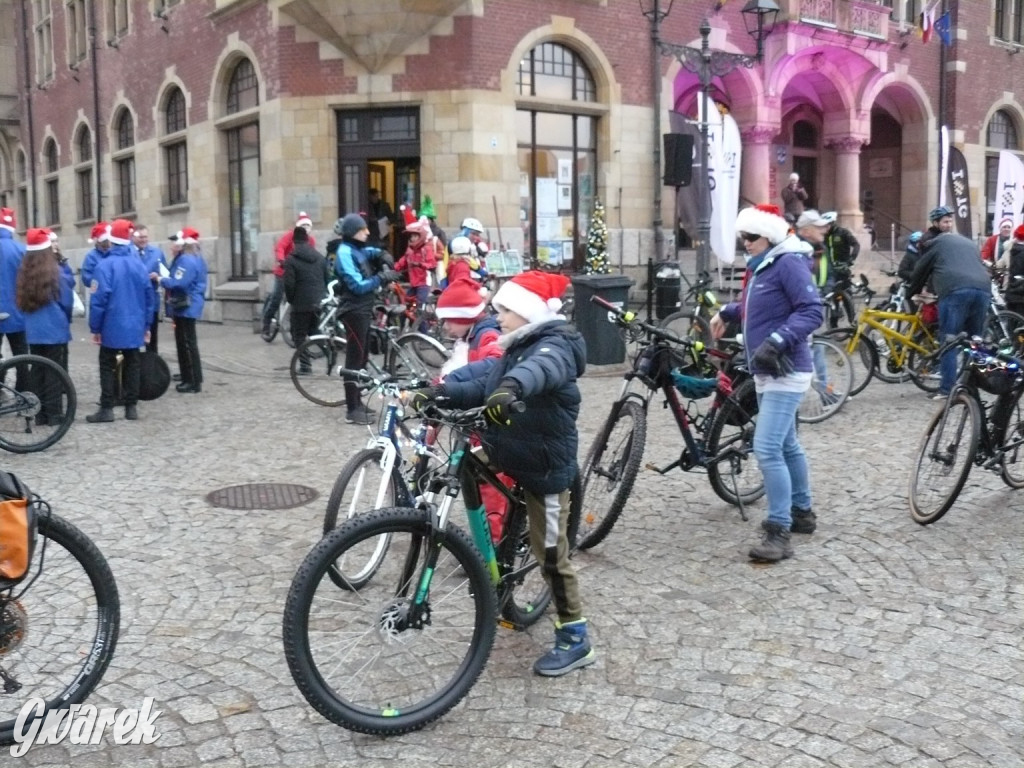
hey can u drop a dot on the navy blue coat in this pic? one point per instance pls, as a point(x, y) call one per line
point(539, 447)
point(121, 305)
point(357, 267)
point(52, 324)
point(11, 254)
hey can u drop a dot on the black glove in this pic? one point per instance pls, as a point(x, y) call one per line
point(418, 398)
point(386, 259)
point(768, 358)
point(389, 276)
point(499, 402)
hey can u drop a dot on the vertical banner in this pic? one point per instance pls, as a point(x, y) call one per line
point(725, 197)
point(1009, 202)
point(959, 192)
point(943, 163)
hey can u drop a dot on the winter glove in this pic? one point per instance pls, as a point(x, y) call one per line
point(389, 276)
point(499, 403)
point(418, 398)
point(768, 358)
point(386, 259)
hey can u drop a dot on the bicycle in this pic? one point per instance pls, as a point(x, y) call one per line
point(830, 384)
point(693, 323)
point(400, 649)
point(59, 623)
point(281, 322)
point(969, 431)
point(720, 440)
point(37, 403)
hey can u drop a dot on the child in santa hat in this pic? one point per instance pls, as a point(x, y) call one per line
point(419, 260)
point(543, 357)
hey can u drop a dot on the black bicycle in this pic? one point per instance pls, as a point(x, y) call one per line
point(37, 403)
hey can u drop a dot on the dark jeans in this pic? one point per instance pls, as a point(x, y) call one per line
point(965, 309)
point(273, 301)
point(18, 347)
point(303, 325)
point(130, 368)
point(357, 332)
point(189, 364)
point(44, 382)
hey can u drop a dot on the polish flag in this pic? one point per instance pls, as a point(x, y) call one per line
point(928, 22)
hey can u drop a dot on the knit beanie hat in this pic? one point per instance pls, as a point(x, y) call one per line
point(764, 220)
point(462, 300)
point(427, 208)
point(535, 296)
point(351, 224)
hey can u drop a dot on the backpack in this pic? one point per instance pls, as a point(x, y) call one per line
point(19, 527)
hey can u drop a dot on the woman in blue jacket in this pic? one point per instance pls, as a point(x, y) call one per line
point(44, 295)
point(780, 309)
point(186, 294)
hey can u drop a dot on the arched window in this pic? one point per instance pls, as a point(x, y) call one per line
point(1001, 134)
point(83, 173)
point(242, 137)
point(175, 149)
point(557, 147)
point(124, 161)
point(50, 167)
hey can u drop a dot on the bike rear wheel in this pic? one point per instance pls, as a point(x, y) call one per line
point(863, 359)
point(686, 326)
point(830, 386)
point(1012, 467)
point(925, 371)
point(314, 370)
point(944, 458)
point(422, 356)
point(610, 470)
point(57, 632)
point(368, 659)
point(40, 412)
point(286, 326)
point(524, 595)
point(734, 474)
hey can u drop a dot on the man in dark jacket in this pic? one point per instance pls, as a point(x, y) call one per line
point(841, 245)
point(962, 283)
point(305, 280)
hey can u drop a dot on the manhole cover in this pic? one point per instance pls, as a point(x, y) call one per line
point(262, 496)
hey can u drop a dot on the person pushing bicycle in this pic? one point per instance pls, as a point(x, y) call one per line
point(543, 358)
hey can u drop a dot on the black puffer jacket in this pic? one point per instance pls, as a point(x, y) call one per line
point(305, 278)
point(539, 447)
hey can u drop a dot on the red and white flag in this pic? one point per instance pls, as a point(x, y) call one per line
point(928, 22)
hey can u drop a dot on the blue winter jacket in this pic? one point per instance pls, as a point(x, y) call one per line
point(539, 447)
point(152, 257)
point(11, 254)
point(188, 278)
point(357, 266)
point(779, 300)
point(121, 306)
point(52, 324)
point(89, 264)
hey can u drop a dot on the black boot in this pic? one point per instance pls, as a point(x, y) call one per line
point(131, 412)
point(774, 544)
point(804, 520)
point(102, 415)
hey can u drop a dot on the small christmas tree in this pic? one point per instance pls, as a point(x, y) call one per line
point(597, 243)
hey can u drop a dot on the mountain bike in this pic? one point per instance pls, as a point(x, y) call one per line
point(830, 384)
point(693, 323)
point(402, 646)
point(719, 440)
point(59, 623)
point(37, 403)
point(969, 430)
point(281, 322)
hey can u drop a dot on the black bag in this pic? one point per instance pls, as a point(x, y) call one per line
point(179, 301)
point(154, 377)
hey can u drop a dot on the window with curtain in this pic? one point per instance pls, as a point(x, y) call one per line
point(78, 25)
point(83, 174)
point(51, 183)
point(243, 158)
point(124, 161)
point(175, 149)
point(43, 27)
point(557, 150)
point(1001, 134)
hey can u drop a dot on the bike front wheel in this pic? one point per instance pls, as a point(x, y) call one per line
point(944, 458)
point(374, 660)
point(421, 356)
point(59, 627)
point(831, 382)
point(732, 467)
point(286, 326)
point(37, 403)
point(314, 370)
point(863, 358)
point(610, 470)
point(1011, 469)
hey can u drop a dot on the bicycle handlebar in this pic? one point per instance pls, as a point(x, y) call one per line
point(469, 418)
point(628, 319)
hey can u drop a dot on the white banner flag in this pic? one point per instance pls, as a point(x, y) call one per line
point(726, 194)
point(943, 164)
point(1009, 202)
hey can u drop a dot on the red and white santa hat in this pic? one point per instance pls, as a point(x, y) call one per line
point(38, 239)
point(764, 220)
point(101, 231)
point(304, 221)
point(188, 236)
point(120, 232)
point(1018, 233)
point(7, 220)
point(463, 299)
point(535, 296)
point(408, 215)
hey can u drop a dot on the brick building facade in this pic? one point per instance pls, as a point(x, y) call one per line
point(233, 115)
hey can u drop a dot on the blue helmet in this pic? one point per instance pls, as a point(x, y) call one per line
point(915, 237)
point(938, 213)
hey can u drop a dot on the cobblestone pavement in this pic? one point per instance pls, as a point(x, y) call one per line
point(881, 643)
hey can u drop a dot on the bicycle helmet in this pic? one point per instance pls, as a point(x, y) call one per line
point(473, 225)
point(915, 237)
point(938, 213)
point(829, 216)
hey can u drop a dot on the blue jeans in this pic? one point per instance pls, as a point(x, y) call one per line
point(965, 309)
point(782, 460)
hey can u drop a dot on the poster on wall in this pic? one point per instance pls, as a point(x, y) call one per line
point(565, 197)
point(565, 170)
point(547, 197)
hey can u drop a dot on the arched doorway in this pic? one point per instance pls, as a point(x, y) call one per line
point(880, 180)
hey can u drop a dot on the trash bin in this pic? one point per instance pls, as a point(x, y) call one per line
point(667, 282)
point(605, 345)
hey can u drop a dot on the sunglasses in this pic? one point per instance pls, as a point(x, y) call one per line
point(749, 237)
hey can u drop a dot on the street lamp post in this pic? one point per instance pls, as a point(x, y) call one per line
point(759, 19)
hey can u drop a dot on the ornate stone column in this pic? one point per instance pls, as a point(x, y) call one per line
point(847, 189)
point(756, 165)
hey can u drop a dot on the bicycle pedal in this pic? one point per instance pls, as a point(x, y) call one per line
point(506, 624)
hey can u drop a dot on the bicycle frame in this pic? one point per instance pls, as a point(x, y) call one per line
point(875, 318)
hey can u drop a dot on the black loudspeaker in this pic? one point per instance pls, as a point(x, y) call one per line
point(678, 159)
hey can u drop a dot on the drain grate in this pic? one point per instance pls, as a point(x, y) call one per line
point(262, 496)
